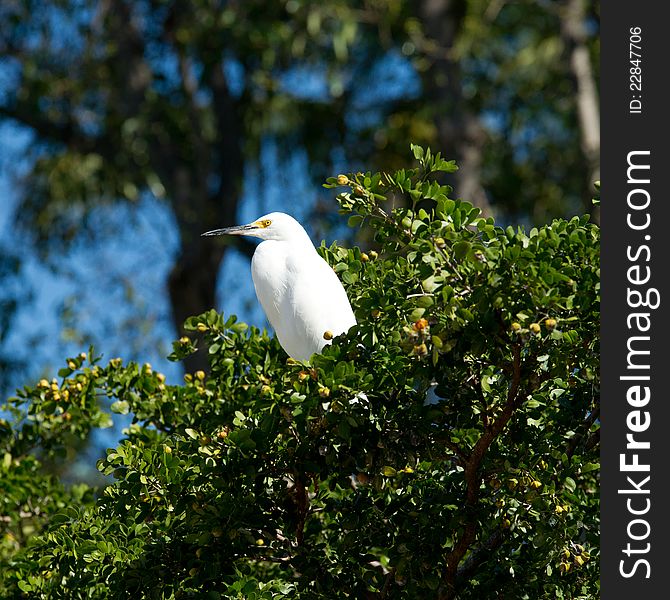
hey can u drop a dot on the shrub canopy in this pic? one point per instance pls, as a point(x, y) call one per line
point(447, 446)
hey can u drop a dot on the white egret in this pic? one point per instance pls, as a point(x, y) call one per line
point(301, 295)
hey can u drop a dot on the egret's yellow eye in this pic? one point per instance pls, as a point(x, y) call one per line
point(265, 223)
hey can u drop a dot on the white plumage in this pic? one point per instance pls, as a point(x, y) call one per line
point(301, 295)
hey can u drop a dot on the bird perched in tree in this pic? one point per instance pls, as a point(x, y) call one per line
point(301, 295)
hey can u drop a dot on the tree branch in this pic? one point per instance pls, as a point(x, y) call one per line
point(594, 415)
point(479, 555)
point(66, 133)
point(473, 480)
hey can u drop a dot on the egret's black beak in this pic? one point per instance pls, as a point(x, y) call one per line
point(237, 230)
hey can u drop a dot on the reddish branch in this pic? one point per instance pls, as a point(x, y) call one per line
point(301, 500)
point(473, 479)
point(591, 440)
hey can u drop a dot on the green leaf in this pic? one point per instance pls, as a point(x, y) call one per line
point(417, 151)
point(461, 249)
point(121, 407)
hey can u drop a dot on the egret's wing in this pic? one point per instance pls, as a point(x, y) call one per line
point(268, 271)
point(301, 296)
point(317, 303)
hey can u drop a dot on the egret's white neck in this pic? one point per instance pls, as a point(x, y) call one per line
point(298, 239)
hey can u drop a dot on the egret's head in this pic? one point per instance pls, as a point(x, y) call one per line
point(274, 226)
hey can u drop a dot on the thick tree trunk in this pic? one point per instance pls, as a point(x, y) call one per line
point(461, 135)
point(192, 288)
point(192, 281)
point(588, 112)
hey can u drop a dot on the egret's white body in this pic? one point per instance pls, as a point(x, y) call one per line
point(299, 292)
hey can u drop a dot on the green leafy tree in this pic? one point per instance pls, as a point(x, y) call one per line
point(447, 446)
point(174, 99)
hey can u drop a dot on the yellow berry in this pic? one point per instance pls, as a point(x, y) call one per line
point(550, 323)
point(342, 180)
point(420, 325)
point(420, 350)
point(534, 327)
point(328, 335)
point(516, 326)
point(373, 254)
point(324, 392)
point(364, 257)
point(200, 375)
point(202, 327)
